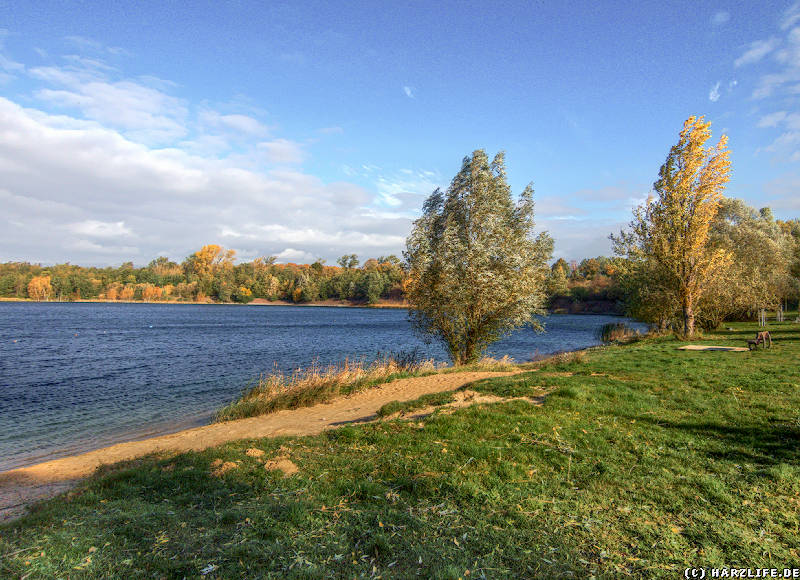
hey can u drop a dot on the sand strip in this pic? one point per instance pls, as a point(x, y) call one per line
point(711, 347)
point(22, 487)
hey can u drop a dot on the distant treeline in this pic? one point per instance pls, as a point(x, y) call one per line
point(209, 274)
point(764, 273)
point(590, 285)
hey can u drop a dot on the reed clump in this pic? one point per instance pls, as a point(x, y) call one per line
point(616, 332)
point(320, 384)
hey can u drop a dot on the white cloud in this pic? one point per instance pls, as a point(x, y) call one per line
point(316, 237)
point(713, 94)
point(73, 190)
point(756, 51)
point(406, 187)
point(98, 229)
point(119, 252)
point(282, 151)
point(409, 91)
point(234, 122)
point(140, 111)
point(296, 256)
point(720, 17)
point(10, 65)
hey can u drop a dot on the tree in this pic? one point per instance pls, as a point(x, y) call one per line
point(39, 288)
point(589, 268)
point(348, 261)
point(759, 274)
point(792, 230)
point(476, 272)
point(669, 233)
point(556, 283)
point(212, 268)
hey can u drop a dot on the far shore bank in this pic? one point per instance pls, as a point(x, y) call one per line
point(594, 307)
point(256, 302)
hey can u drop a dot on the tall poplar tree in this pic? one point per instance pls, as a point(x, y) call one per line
point(476, 271)
point(669, 234)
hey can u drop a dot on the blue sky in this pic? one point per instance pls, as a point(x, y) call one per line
point(308, 130)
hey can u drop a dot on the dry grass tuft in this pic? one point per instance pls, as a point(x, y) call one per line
point(488, 363)
point(219, 467)
point(318, 384)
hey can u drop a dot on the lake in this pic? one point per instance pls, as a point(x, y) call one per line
point(79, 376)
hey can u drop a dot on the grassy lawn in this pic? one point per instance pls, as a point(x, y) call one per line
point(642, 461)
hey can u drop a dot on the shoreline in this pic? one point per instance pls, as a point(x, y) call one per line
point(389, 304)
point(206, 419)
point(256, 302)
point(21, 487)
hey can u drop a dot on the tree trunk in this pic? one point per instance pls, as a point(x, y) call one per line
point(688, 318)
point(469, 352)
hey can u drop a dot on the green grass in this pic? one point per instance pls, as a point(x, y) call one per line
point(431, 400)
point(643, 460)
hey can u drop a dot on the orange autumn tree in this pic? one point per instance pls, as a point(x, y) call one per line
point(210, 258)
point(212, 268)
point(668, 240)
point(39, 288)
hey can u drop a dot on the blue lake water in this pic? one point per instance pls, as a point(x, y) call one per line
point(79, 376)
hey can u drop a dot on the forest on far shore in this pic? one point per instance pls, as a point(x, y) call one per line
point(766, 275)
point(212, 275)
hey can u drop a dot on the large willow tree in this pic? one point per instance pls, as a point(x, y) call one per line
point(476, 271)
point(669, 237)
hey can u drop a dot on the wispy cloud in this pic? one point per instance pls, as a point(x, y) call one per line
point(233, 122)
point(143, 112)
point(782, 191)
point(779, 84)
point(91, 44)
point(772, 120)
point(409, 91)
point(406, 188)
point(720, 17)
point(791, 16)
point(756, 51)
point(713, 94)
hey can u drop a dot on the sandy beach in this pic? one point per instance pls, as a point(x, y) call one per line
point(21, 487)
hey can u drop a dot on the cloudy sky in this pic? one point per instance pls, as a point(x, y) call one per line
point(312, 129)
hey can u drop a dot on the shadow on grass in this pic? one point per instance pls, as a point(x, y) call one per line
point(759, 445)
